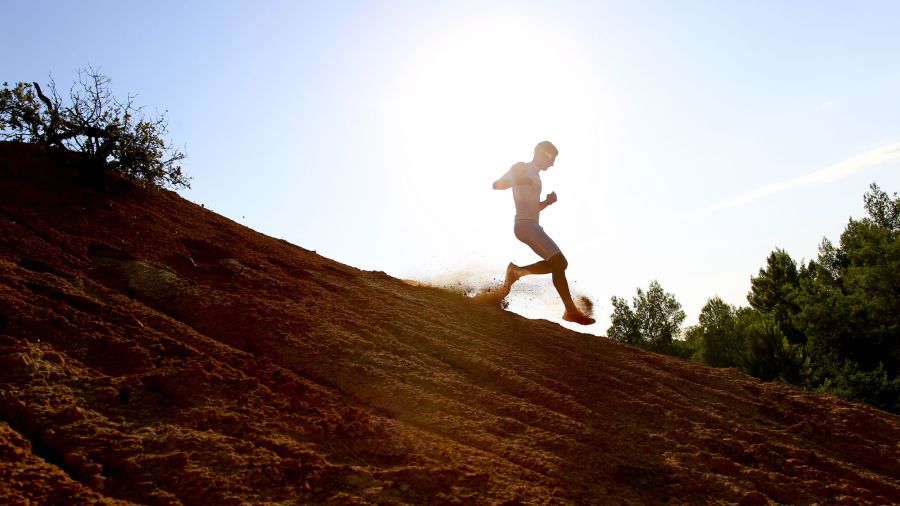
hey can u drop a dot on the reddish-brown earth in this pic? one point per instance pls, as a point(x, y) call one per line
point(152, 351)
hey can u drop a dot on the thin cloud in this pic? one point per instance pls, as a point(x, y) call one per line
point(830, 174)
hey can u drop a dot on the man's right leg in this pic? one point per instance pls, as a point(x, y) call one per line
point(559, 264)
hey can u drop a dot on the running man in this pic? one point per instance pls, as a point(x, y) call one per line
point(525, 181)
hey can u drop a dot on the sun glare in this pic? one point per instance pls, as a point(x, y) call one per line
point(479, 97)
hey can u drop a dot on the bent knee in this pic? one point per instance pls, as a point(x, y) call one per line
point(558, 262)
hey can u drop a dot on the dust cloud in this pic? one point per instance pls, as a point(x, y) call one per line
point(531, 296)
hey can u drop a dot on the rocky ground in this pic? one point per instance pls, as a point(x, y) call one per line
point(154, 352)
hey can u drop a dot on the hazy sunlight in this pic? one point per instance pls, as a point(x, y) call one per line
point(480, 96)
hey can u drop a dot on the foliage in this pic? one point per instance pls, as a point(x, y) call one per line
point(765, 351)
point(746, 339)
point(874, 387)
point(851, 306)
point(773, 291)
point(832, 324)
point(111, 134)
point(720, 344)
point(653, 322)
point(883, 211)
point(692, 345)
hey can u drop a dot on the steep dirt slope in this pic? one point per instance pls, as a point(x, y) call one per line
point(152, 351)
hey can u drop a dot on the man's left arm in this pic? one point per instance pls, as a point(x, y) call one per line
point(551, 198)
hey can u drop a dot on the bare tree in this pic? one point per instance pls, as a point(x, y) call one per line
point(112, 134)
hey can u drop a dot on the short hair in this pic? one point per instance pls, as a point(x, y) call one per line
point(546, 147)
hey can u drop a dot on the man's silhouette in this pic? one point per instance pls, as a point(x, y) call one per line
point(525, 181)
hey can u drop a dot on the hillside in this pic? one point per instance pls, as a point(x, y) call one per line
point(154, 352)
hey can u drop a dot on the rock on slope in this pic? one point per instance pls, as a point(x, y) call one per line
point(154, 352)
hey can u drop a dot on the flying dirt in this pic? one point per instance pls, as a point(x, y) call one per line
point(155, 352)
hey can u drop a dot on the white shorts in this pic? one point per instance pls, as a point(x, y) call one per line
point(532, 234)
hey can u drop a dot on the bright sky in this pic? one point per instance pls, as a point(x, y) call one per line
point(695, 136)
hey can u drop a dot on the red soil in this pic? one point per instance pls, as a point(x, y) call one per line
point(152, 351)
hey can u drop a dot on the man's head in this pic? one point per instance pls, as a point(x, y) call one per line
point(545, 154)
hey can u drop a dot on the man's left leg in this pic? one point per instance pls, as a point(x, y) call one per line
point(514, 272)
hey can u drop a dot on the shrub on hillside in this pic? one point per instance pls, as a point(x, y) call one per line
point(652, 322)
point(111, 134)
point(831, 324)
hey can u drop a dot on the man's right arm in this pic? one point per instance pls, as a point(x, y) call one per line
point(514, 176)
